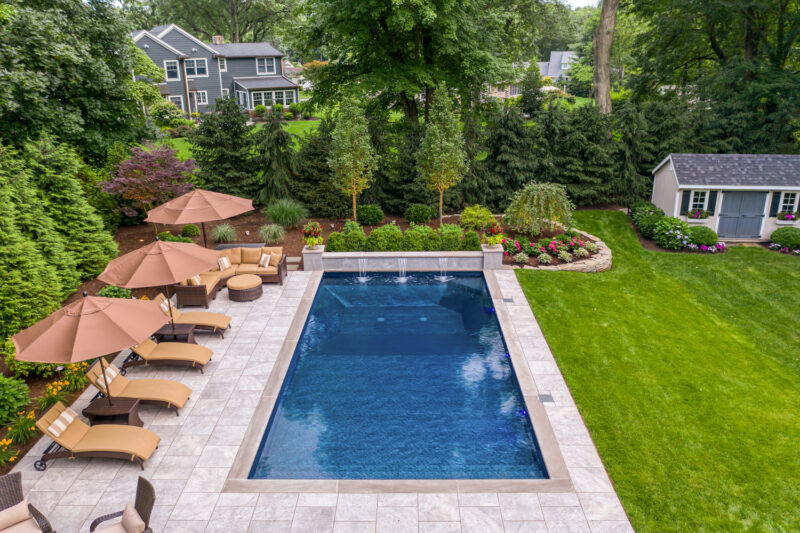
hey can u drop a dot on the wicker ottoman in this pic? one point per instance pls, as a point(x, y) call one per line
point(244, 287)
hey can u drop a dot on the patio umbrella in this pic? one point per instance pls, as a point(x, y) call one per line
point(159, 263)
point(199, 206)
point(88, 328)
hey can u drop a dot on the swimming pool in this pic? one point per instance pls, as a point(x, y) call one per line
point(400, 381)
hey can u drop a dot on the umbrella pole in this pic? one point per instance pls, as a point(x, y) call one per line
point(105, 379)
point(169, 305)
point(203, 224)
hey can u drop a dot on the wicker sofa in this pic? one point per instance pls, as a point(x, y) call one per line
point(244, 260)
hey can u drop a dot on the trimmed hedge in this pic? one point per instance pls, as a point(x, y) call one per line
point(388, 238)
point(700, 235)
point(787, 237)
point(420, 213)
point(369, 215)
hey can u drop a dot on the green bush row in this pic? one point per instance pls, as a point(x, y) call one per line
point(669, 232)
point(390, 238)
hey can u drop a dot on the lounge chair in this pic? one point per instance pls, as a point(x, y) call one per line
point(202, 320)
point(161, 392)
point(149, 352)
point(73, 438)
point(16, 515)
point(138, 513)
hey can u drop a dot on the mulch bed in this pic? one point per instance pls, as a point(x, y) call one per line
point(532, 261)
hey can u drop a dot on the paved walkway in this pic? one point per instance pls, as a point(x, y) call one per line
point(198, 447)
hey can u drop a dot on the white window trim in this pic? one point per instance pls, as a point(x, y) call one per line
point(226, 93)
point(705, 202)
point(205, 98)
point(267, 73)
point(220, 62)
point(196, 59)
point(169, 99)
point(178, 63)
point(246, 99)
point(783, 196)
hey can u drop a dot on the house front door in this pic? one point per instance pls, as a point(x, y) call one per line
point(742, 214)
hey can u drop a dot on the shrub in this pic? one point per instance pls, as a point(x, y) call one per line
point(167, 236)
point(702, 235)
point(369, 215)
point(580, 252)
point(335, 242)
point(388, 238)
point(529, 248)
point(475, 217)
point(295, 109)
point(110, 291)
point(260, 110)
point(471, 242)
point(75, 376)
point(190, 230)
point(544, 259)
point(671, 233)
point(592, 247)
point(13, 398)
point(451, 234)
point(22, 427)
point(223, 233)
point(23, 369)
point(645, 216)
point(306, 114)
point(353, 237)
point(53, 393)
point(286, 212)
point(272, 233)
point(162, 112)
point(539, 206)
point(288, 116)
point(521, 258)
point(420, 213)
point(565, 256)
point(787, 238)
point(511, 246)
point(421, 238)
point(277, 108)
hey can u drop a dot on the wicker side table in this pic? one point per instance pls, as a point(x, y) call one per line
point(244, 288)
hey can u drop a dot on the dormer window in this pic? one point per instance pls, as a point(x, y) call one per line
point(265, 65)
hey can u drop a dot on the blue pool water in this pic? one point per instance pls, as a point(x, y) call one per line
point(400, 381)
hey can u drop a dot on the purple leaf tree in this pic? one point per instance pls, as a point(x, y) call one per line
point(151, 176)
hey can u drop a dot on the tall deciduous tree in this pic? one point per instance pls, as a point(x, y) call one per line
point(352, 158)
point(222, 146)
point(603, 39)
point(275, 158)
point(441, 159)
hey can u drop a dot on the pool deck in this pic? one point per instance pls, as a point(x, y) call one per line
point(197, 468)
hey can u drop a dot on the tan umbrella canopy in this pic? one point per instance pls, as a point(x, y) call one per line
point(159, 263)
point(87, 328)
point(199, 206)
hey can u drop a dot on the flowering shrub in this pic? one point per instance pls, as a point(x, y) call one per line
point(565, 256)
point(530, 248)
point(511, 247)
point(697, 214)
point(787, 238)
point(22, 427)
point(7, 454)
point(788, 216)
point(492, 228)
point(53, 393)
point(646, 215)
point(544, 259)
point(671, 233)
point(75, 376)
point(581, 253)
point(521, 258)
point(592, 247)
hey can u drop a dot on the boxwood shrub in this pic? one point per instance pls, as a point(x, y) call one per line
point(335, 242)
point(420, 213)
point(353, 237)
point(420, 238)
point(646, 215)
point(475, 217)
point(452, 235)
point(787, 237)
point(369, 215)
point(190, 230)
point(388, 238)
point(471, 242)
point(700, 235)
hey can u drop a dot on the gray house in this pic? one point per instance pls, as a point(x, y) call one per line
point(198, 73)
point(558, 67)
point(741, 194)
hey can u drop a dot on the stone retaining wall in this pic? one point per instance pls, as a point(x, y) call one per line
point(489, 258)
point(599, 262)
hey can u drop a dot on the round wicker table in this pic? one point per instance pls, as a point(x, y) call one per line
point(244, 287)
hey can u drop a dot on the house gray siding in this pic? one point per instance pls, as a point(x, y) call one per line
point(158, 54)
point(245, 67)
point(210, 84)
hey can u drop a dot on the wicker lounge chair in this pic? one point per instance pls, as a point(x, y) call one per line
point(149, 352)
point(10, 497)
point(202, 320)
point(143, 506)
point(73, 438)
point(161, 392)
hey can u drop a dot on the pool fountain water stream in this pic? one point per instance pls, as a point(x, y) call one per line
point(362, 270)
point(401, 270)
point(443, 277)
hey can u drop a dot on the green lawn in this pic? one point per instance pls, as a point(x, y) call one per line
point(296, 127)
point(686, 369)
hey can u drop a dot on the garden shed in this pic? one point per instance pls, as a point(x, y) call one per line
point(740, 196)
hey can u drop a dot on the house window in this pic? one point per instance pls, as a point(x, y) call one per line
point(196, 67)
point(241, 97)
point(262, 98)
point(223, 65)
point(513, 90)
point(178, 101)
point(265, 65)
point(202, 98)
point(171, 70)
point(226, 93)
point(789, 202)
point(699, 200)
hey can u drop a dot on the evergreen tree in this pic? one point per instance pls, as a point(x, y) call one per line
point(401, 186)
point(531, 98)
point(54, 168)
point(633, 146)
point(442, 159)
point(476, 186)
point(222, 146)
point(508, 161)
point(275, 159)
point(314, 184)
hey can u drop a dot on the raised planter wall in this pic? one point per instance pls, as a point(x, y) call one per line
point(489, 258)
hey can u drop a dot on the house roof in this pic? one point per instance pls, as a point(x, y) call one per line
point(735, 170)
point(161, 31)
point(553, 68)
point(246, 50)
point(265, 82)
point(158, 29)
point(144, 33)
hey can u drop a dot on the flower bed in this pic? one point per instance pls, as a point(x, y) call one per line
point(672, 233)
point(555, 250)
point(786, 241)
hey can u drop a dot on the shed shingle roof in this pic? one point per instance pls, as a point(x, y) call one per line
point(756, 170)
point(246, 49)
point(265, 82)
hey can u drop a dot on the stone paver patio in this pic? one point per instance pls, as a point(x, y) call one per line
point(198, 448)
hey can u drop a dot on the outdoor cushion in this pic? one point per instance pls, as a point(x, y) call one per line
point(61, 423)
point(244, 282)
point(246, 269)
point(71, 435)
point(165, 306)
point(234, 254)
point(113, 528)
point(166, 351)
point(264, 260)
point(193, 281)
point(131, 520)
point(160, 390)
point(224, 263)
point(228, 272)
point(267, 270)
point(14, 515)
point(26, 526)
point(251, 255)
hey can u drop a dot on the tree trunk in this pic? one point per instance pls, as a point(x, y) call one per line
point(355, 215)
point(441, 215)
point(603, 38)
point(410, 107)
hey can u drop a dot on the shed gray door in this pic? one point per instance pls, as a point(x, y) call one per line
point(741, 214)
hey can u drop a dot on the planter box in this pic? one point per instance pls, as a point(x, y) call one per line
point(696, 221)
point(786, 222)
point(489, 258)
